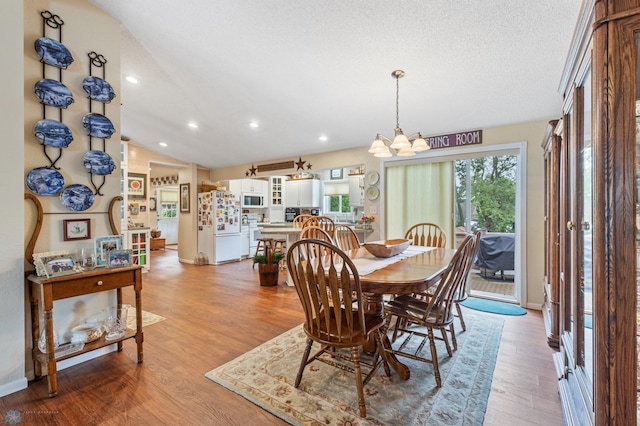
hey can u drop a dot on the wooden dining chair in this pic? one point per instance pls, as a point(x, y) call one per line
point(299, 220)
point(427, 234)
point(434, 314)
point(325, 222)
point(345, 238)
point(341, 329)
point(463, 292)
point(316, 232)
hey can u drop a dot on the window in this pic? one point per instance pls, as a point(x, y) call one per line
point(168, 209)
point(337, 204)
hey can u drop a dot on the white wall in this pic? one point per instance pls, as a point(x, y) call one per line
point(12, 289)
point(86, 29)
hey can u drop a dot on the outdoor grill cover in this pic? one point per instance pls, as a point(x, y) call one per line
point(496, 252)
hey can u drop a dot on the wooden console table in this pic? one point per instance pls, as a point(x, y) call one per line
point(43, 291)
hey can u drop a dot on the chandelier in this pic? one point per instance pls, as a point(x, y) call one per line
point(404, 146)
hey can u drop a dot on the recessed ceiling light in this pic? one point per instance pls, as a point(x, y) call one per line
point(193, 124)
point(163, 144)
point(323, 138)
point(131, 79)
point(254, 124)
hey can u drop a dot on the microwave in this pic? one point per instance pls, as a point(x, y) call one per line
point(252, 200)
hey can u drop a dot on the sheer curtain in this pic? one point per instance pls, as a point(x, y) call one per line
point(419, 193)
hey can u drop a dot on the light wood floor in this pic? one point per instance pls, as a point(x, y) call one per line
point(214, 314)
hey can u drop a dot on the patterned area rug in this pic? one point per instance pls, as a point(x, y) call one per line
point(148, 318)
point(327, 395)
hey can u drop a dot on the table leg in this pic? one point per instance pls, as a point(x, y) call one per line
point(374, 305)
point(139, 335)
point(52, 368)
point(35, 330)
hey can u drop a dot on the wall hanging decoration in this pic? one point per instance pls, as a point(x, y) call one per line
point(164, 180)
point(51, 51)
point(45, 181)
point(97, 161)
point(77, 197)
point(53, 133)
point(76, 229)
point(137, 185)
point(52, 92)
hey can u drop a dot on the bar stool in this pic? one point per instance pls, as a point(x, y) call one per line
point(263, 243)
point(280, 244)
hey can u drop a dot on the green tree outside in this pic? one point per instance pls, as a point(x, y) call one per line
point(493, 192)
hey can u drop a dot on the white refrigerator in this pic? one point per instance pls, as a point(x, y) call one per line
point(219, 226)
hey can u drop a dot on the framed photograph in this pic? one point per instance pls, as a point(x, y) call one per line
point(143, 208)
point(152, 204)
point(184, 198)
point(134, 209)
point(136, 185)
point(336, 174)
point(119, 258)
point(103, 245)
point(76, 229)
point(56, 263)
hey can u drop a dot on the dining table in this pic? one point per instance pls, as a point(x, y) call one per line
point(413, 271)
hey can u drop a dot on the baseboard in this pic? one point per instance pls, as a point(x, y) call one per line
point(87, 356)
point(14, 386)
point(534, 306)
point(186, 261)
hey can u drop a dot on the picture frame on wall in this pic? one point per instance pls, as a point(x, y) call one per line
point(184, 197)
point(336, 174)
point(136, 185)
point(152, 204)
point(76, 229)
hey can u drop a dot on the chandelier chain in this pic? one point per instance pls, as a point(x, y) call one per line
point(397, 102)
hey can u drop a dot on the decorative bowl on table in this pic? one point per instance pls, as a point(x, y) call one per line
point(387, 248)
point(87, 332)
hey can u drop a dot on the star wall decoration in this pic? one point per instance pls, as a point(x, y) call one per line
point(309, 166)
point(253, 170)
point(300, 164)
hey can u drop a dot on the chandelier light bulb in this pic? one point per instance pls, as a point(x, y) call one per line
point(403, 145)
point(420, 145)
point(378, 146)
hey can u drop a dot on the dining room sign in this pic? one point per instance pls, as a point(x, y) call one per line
point(455, 140)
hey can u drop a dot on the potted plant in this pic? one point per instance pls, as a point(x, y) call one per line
point(268, 266)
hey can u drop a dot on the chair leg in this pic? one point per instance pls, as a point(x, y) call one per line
point(453, 337)
point(434, 357)
point(446, 341)
point(303, 363)
point(459, 309)
point(355, 357)
point(381, 352)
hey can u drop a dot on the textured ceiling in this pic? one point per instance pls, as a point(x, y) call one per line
point(305, 68)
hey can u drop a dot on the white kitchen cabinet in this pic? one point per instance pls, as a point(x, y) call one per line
point(244, 235)
point(356, 190)
point(276, 199)
point(253, 186)
point(302, 193)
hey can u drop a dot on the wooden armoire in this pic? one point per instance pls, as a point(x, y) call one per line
point(592, 244)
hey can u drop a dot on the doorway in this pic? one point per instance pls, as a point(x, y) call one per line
point(465, 190)
point(485, 202)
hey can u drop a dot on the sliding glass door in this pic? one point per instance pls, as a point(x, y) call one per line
point(465, 193)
